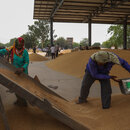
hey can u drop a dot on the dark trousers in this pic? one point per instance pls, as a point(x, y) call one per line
point(106, 91)
point(57, 53)
point(53, 55)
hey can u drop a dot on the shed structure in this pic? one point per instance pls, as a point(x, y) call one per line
point(84, 11)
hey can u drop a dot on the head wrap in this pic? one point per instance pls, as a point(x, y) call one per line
point(19, 41)
point(104, 57)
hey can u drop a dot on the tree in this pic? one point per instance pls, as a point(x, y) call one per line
point(116, 39)
point(29, 40)
point(106, 44)
point(128, 36)
point(11, 42)
point(96, 44)
point(2, 45)
point(46, 43)
point(117, 35)
point(84, 42)
point(61, 42)
point(40, 30)
point(75, 44)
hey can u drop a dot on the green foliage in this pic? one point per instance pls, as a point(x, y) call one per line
point(46, 43)
point(106, 44)
point(10, 43)
point(30, 40)
point(116, 39)
point(75, 44)
point(96, 44)
point(61, 42)
point(128, 36)
point(40, 30)
point(84, 42)
point(36, 36)
point(2, 45)
point(117, 35)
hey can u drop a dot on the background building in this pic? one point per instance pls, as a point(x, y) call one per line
point(70, 41)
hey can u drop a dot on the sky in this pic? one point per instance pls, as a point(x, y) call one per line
point(16, 15)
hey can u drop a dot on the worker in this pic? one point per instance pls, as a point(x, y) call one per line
point(20, 59)
point(98, 68)
point(52, 51)
point(34, 49)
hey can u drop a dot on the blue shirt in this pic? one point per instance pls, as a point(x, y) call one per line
point(102, 72)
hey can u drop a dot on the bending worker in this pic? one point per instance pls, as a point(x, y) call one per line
point(20, 59)
point(98, 68)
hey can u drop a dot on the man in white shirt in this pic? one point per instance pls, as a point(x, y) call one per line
point(53, 51)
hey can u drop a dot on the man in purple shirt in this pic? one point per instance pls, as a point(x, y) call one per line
point(98, 68)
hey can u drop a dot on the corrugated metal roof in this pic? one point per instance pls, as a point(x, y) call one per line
point(80, 11)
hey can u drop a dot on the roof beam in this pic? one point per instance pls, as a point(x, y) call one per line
point(100, 9)
point(121, 20)
point(56, 7)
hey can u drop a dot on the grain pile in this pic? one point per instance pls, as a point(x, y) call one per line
point(30, 118)
point(75, 63)
point(90, 114)
point(36, 57)
point(65, 51)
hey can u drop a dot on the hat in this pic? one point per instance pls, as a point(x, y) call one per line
point(105, 56)
point(19, 41)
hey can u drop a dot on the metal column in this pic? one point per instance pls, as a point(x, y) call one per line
point(51, 31)
point(125, 34)
point(89, 32)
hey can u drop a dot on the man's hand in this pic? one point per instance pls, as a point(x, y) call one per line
point(19, 71)
point(114, 78)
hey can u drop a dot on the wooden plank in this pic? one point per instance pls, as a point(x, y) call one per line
point(43, 104)
point(37, 96)
point(5, 64)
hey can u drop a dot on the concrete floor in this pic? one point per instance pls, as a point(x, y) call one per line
point(65, 85)
point(68, 86)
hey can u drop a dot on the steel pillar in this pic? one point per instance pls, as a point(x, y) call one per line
point(51, 31)
point(89, 32)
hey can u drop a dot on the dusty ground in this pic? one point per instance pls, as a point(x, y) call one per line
point(26, 118)
point(30, 118)
point(36, 57)
point(90, 114)
point(74, 63)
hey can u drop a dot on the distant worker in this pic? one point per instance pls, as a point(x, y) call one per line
point(86, 47)
point(52, 51)
point(80, 47)
point(98, 68)
point(48, 50)
point(20, 59)
point(57, 49)
point(34, 49)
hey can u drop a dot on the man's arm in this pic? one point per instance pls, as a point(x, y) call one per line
point(3, 51)
point(93, 71)
point(124, 64)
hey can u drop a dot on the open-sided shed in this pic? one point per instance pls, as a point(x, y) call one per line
point(84, 11)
